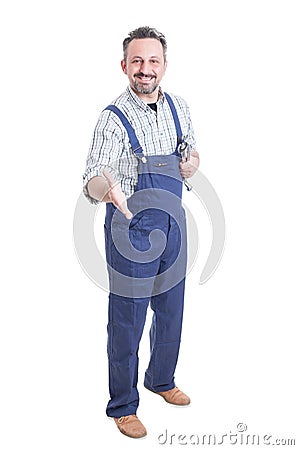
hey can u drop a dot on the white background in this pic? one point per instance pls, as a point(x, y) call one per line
point(236, 64)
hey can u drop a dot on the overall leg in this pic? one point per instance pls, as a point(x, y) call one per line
point(126, 322)
point(168, 304)
point(127, 315)
point(165, 337)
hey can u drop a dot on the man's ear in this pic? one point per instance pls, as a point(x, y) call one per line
point(124, 66)
point(165, 66)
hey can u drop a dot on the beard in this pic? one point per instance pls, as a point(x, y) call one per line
point(143, 88)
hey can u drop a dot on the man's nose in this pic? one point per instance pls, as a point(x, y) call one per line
point(145, 67)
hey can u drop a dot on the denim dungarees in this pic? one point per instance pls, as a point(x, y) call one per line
point(146, 261)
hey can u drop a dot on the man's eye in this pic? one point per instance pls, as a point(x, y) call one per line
point(136, 61)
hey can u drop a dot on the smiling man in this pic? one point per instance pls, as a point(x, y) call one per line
point(137, 150)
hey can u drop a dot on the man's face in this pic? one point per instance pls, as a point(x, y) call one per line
point(144, 66)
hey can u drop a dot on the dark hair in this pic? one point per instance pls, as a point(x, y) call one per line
point(143, 33)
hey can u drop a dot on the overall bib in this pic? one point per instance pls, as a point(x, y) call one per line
point(146, 260)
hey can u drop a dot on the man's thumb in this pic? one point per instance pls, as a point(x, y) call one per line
point(109, 178)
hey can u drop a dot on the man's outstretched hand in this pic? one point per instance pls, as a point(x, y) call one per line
point(116, 195)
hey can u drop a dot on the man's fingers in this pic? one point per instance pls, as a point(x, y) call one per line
point(117, 196)
point(194, 153)
point(187, 169)
point(123, 207)
point(128, 215)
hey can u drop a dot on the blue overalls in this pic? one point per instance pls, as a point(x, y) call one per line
point(148, 268)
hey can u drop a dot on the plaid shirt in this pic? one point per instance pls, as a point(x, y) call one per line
point(110, 147)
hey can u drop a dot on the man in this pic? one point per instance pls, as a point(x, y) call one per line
point(142, 150)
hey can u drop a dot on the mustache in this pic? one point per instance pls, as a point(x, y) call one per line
point(141, 74)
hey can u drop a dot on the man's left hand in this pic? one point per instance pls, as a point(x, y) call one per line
point(190, 166)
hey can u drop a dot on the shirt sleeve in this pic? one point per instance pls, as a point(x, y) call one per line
point(104, 151)
point(190, 138)
point(183, 112)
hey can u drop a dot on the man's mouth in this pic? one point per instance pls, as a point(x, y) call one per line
point(144, 78)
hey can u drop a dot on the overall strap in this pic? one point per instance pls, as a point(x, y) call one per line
point(130, 130)
point(181, 142)
point(175, 118)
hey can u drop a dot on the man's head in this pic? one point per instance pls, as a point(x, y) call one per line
point(145, 33)
point(145, 61)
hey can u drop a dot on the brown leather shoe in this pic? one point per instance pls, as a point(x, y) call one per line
point(175, 397)
point(130, 426)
